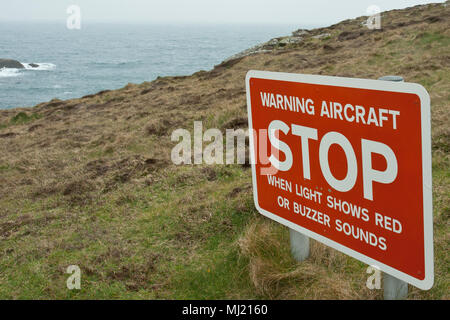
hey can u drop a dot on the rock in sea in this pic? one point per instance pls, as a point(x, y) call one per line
point(9, 63)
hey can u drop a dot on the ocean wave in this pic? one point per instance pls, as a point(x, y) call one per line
point(116, 63)
point(13, 72)
point(9, 72)
point(42, 66)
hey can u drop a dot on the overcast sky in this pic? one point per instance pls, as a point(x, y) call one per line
point(299, 12)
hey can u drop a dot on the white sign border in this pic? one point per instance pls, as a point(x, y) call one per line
point(405, 87)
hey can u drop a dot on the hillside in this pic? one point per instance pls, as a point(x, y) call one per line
point(89, 181)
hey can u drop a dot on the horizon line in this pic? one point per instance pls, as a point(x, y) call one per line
point(170, 22)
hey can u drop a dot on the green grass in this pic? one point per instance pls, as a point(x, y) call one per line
point(22, 118)
point(5, 167)
point(155, 221)
point(439, 39)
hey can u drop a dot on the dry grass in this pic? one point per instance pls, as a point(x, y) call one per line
point(275, 275)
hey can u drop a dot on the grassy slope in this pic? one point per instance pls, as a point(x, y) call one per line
point(89, 182)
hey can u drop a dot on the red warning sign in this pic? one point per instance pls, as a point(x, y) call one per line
point(348, 163)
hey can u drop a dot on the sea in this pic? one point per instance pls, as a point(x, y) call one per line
point(99, 56)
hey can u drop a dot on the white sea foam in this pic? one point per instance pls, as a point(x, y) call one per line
point(13, 72)
point(9, 72)
point(44, 66)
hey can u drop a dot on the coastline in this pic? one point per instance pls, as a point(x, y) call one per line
point(101, 56)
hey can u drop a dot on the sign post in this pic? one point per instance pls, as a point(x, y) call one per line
point(346, 162)
point(394, 289)
point(299, 245)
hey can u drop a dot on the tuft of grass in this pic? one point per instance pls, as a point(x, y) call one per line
point(4, 167)
point(23, 117)
point(275, 274)
point(428, 38)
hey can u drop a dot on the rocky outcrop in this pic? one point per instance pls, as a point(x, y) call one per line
point(268, 46)
point(9, 63)
point(297, 37)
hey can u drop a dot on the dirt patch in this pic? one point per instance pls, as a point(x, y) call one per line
point(97, 168)
point(140, 163)
point(79, 192)
point(77, 187)
point(9, 227)
point(54, 103)
point(330, 48)
point(433, 19)
point(238, 190)
point(159, 127)
point(125, 169)
point(350, 35)
point(442, 142)
point(8, 135)
point(146, 91)
point(136, 276)
point(95, 94)
point(229, 63)
point(218, 69)
point(35, 127)
point(236, 123)
point(209, 173)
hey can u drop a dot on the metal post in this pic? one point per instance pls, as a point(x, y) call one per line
point(392, 78)
point(299, 245)
point(394, 289)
